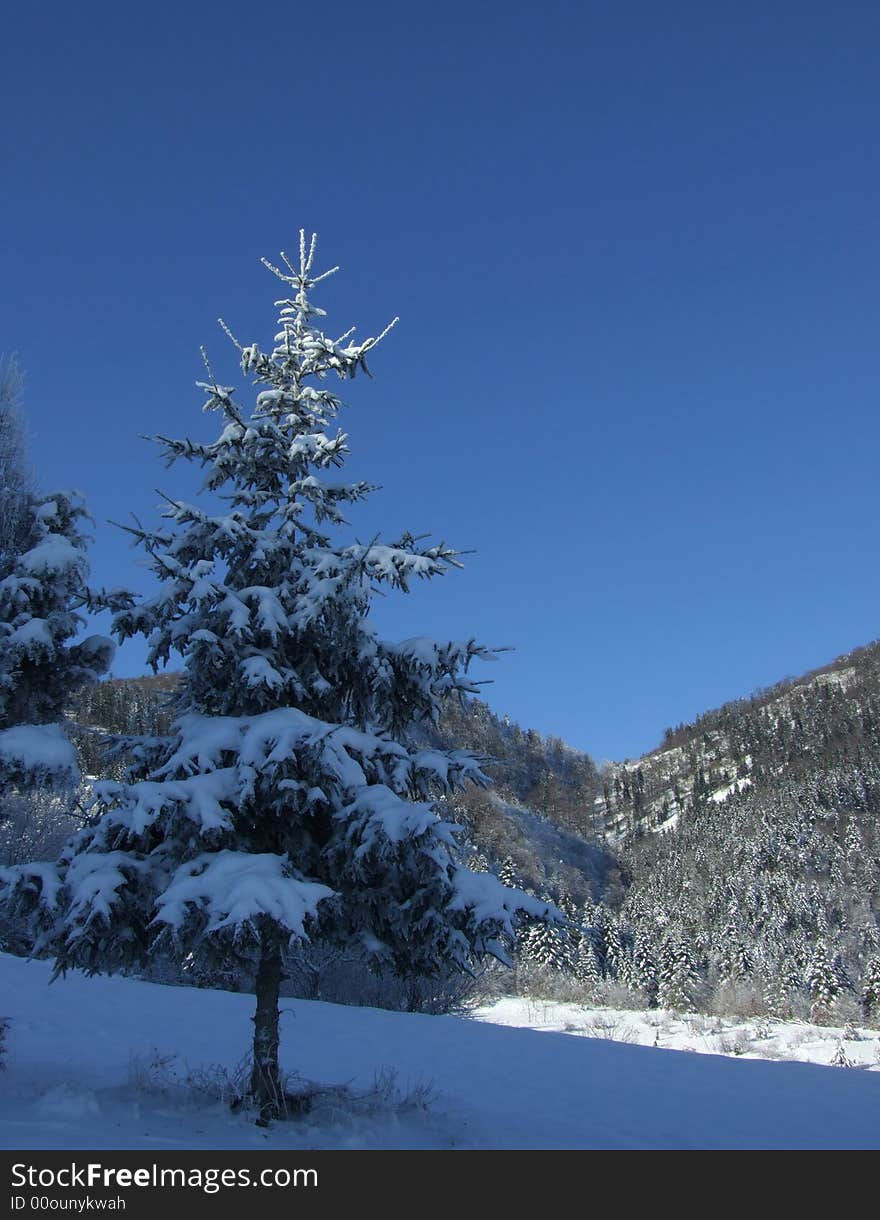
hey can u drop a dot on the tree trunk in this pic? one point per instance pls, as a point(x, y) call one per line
point(266, 1087)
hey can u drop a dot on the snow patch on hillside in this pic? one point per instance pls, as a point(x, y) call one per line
point(758, 1038)
point(738, 785)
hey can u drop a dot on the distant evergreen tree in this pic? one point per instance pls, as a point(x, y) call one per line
point(774, 992)
point(507, 873)
point(478, 863)
point(614, 950)
point(599, 926)
point(679, 978)
point(41, 667)
point(543, 943)
point(735, 962)
point(586, 969)
point(645, 966)
point(870, 993)
point(821, 981)
point(840, 1057)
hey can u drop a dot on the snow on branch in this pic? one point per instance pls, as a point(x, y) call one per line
point(233, 889)
point(38, 753)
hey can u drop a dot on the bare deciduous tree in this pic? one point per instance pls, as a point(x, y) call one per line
point(16, 481)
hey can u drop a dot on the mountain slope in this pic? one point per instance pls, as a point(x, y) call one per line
point(828, 718)
point(761, 894)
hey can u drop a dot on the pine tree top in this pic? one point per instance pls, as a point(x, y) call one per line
point(265, 603)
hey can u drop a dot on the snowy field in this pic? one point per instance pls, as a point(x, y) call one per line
point(114, 1063)
point(757, 1038)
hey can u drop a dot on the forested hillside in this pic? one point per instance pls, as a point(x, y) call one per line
point(736, 867)
point(768, 900)
point(825, 719)
point(749, 847)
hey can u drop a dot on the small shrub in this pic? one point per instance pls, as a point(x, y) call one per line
point(617, 995)
point(820, 1014)
point(545, 983)
point(696, 1023)
point(383, 1096)
point(153, 1075)
point(15, 937)
point(845, 1011)
point(734, 1043)
point(318, 972)
point(761, 1030)
point(614, 1028)
point(776, 1052)
point(738, 999)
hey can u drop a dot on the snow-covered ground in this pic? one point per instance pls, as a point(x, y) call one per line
point(115, 1063)
point(757, 1038)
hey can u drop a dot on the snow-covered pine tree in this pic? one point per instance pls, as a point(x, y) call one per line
point(587, 970)
point(614, 951)
point(507, 873)
point(543, 944)
point(678, 976)
point(644, 966)
point(822, 982)
point(569, 935)
point(41, 666)
point(290, 794)
point(870, 991)
point(734, 962)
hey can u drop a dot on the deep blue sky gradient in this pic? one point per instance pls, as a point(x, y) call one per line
point(635, 252)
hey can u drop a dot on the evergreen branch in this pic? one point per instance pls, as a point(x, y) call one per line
point(229, 335)
point(323, 276)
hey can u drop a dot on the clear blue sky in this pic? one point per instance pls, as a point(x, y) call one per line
point(634, 247)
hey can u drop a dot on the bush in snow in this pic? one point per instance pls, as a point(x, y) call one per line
point(737, 998)
point(34, 825)
point(290, 799)
point(316, 971)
